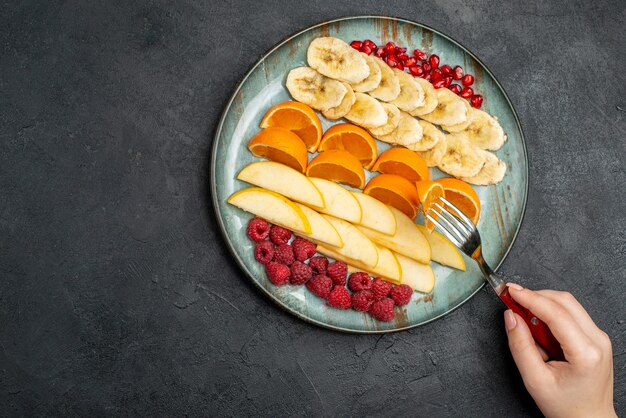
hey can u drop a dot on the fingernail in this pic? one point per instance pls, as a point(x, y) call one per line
point(515, 286)
point(509, 320)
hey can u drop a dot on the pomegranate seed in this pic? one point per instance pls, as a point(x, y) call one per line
point(467, 80)
point(433, 60)
point(447, 81)
point(400, 50)
point(356, 45)
point(455, 88)
point(419, 54)
point(410, 62)
point(436, 74)
point(379, 52)
point(390, 48)
point(476, 101)
point(391, 61)
point(416, 70)
point(439, 83)
point(402, 56)
point(426, 67)
point(426, 76)
point(366, 49)
point(400, 66)
point(458, 72)
point(369, 43)
point(467, 92)
point(446, 70)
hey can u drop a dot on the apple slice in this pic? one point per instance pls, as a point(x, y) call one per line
point(407, 240)
point(418, 276)
point(283, 180)
point(387, 268)
point(338, 201)
point(375, 214)
point(321, 230)
point(443, 251)
point(271, 206)
point(355, 245)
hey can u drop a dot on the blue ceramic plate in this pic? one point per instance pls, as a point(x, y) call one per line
point(264, 86)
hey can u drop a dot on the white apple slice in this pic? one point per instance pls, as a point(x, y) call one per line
point(387, 268)
point(283, 180)
point(407, 240)
point(418, 276)
point(355, 245)
point(273, 207)
point(321, 230)
point(443, 251)
point(338, 201)
point(375, 214)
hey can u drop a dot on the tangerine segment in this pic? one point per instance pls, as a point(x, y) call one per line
point(463, 196)
point(298, 118)
point(395, 191)
point(429, 192)
point(337, 165)
point(357, 141)
point(403, 162)
point(280, 145)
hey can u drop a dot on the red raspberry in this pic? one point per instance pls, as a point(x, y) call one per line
point(320, 285)
point(284, 254)
point(380, 288)
point(337, 271)
point(401, 294)
point(303, 249)
point(279, 235)
point(382, 310)
point(359, 281)
point(362, 300)
point(277, 273)
point(339, 298)
point(319, 264)
point(258, 229)
point(300, 273)
point(264, 251)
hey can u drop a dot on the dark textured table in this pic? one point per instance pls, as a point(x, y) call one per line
point(117, 293)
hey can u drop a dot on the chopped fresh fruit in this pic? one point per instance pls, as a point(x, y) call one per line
point(429, 192)
point(258, 229)
point(381, 288)
point(321, 230)
point(476, 101)
point(357, 141)
point(401, 294)
point(443, 251)
point(280, 145)
point(403, 162)
point(375, 214)
point(279, 235)
point(300, 273)
point(298, 118)
point(283, 180)
point(337, 271)
point(264, 252)
point(356, 245)
point(387, 266)
point(338, 201)
point(320, 285)
point(277, 273)
point(383, 310)
point(283, 254)
point(319, 264)
point(416, 275)
point(339, 298)
point(273, 207)
point(463, 196)
point(362, 300)
point(359, 281)
point(395, 191)
point(337, 165)
point(302, 249)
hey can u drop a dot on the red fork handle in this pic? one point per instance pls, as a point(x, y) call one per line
point(540, 331)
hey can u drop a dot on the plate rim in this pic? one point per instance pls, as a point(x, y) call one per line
point(218, 214)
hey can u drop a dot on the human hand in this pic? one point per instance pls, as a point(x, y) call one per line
point(581, 386)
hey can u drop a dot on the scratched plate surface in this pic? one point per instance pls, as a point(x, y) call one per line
point(502, 205)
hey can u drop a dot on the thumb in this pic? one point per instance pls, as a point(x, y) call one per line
point(525, 353)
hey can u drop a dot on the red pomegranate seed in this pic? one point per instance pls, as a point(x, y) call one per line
point(433, 60)
point(419, 54)
point(467, 80)
point(439, 83)
point(426, 67)
point(356, 44)
point(366, 49)
point(400, 66)
point(436, 74)
point(369, 43)
point(447, 81)
point(416, 70)
point(426, 76)
point(457, 72)
point(400, 50)
point(410, 62)
point(402, 56)
point(391, 61)
point(446, 70)
point(379, 52)
point(455, 88)
point(390, 48)
point(467, 92)
point(476, 101)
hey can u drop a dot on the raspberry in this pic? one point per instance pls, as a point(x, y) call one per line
point(258, 229)
point(382, 310)
point(380, 288)
point(337, 271)
point(284, 254)
point(362, 300)
point(401, 294)
point(320, 285)
point(279, 235)
point(300, 273)
point(264, 251)
point(277, 273)
point(303, 249)
point(319, 264)
point(339, 298)
point(359, 281)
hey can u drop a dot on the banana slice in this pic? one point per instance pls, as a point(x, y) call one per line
point(373, 80)
point(431, 136)
point(407, 133)
point(430, 98)
point(462, 159)
point(367, 112)
point(336, 59)
point(344, 107)
point(411, 93)
point(310, 87)
point(463, 125)
point(393, 119)
point(389, 87)
point(484, 131)
point(450, 109)
point(492, 171)
point(433, 156)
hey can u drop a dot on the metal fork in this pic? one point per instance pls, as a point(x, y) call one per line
point(462, 232)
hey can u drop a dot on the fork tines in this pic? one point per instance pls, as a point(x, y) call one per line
point(453, 223)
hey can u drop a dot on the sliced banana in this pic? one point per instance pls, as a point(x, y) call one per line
point(450, 109)
point(462, 159)
point(485, 132)
point(433, 156)
point(411, 93)
point(431, 136)
point(492, 171)
point(393, 119)
point(344, 107)
point(430, 98)
point(367, 112)
point(407, 133)
point(312, 88)
point(463, 125)
point(336, 59)
point(373, 80)
point(389, 87)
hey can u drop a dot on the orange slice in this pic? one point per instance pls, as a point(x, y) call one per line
point(357, 141)
point(337, 165)
point(280, 145)
point(429, 192)
point(403, 162)
point(463, 196)
point(298, 118)
point(396, 191)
